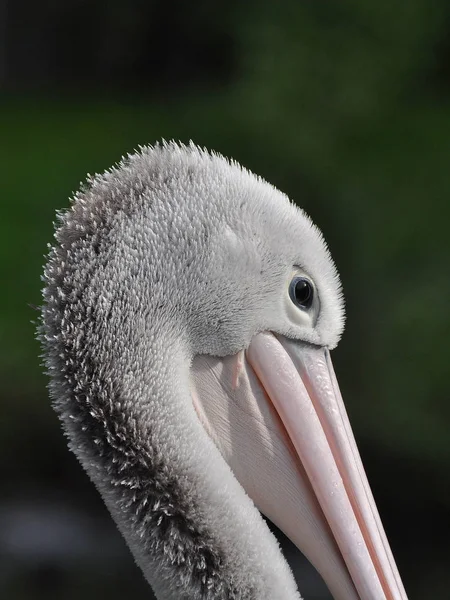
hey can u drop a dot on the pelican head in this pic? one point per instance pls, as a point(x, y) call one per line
point(189, 311)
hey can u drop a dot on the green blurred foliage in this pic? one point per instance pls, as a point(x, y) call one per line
point(344, 106)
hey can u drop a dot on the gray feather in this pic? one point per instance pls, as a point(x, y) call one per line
point(173, 253)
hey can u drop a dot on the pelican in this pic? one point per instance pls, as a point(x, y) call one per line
point(189, 312)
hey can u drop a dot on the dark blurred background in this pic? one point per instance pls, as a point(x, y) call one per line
point(343, 105)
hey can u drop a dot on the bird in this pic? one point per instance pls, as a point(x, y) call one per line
point(189, 310)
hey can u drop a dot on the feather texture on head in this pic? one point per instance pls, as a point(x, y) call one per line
point(175, 253)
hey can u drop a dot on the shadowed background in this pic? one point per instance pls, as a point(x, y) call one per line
point(345, 106)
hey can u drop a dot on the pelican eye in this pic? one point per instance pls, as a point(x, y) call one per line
point(301, 292)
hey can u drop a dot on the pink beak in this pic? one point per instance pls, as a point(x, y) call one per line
point(300, 382)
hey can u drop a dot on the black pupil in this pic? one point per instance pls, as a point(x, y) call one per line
point(303, 292)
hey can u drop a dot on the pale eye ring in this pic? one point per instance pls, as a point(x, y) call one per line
point(301, 292)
